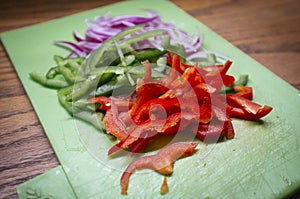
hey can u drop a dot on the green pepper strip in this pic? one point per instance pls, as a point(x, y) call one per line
point(82, 88)
point(94, 118)
point(175, 49)
point(67, 67)
point(52, 72)
point(96, 56)
point(43, 80)
point(71, 107)
point(62, 94)
point(141, 37)
point(78, 109)
point(67, 73)
point(148, 54)
point(242, 81)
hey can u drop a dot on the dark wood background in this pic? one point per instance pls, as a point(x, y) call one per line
point(267, 30)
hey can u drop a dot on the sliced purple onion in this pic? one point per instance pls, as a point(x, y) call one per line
point(76, 49)
point(77, 36)
point(104, 27)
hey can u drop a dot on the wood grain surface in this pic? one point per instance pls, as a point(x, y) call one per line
point(268, 31)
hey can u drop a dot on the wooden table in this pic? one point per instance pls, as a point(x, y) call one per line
point(268, 31)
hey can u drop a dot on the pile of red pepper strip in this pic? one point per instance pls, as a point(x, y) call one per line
point(188, 98)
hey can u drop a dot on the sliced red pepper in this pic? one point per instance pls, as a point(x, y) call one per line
point(142, 143)
point(201, 112)
point(184, 66)
point(217, 69)
point(215, 76)
point(205, 110)
point(243, 91)
point(147, 92)
point(148, 73)
point(113, 124)
point(176, 122)
point(192, 76)
point(169, 58)
point(215, 132)
point(242, 114)
point(123, 104)
point(153, 127)
point(143, 113)
point(229, 133)
point(243, 103)
point(220, 108)
point(176, 63)
point(228, 80)
point(162, 162)
point(180, 67)
point(173, 73)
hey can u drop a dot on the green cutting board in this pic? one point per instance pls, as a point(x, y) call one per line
point(262, 161)
point(50, 185)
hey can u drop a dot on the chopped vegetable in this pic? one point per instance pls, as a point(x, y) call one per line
point(162, 162)
point(129, 77)
point(187, 97)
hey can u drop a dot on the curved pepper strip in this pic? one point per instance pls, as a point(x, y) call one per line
point(204, 112)
point(143, 113)
point(211, 132)
point(162, 162)
point(144, 93)
point(142, 143)
point(147, 76)
point(171, 125)
point(242, 114)
point(113, 124)
point(216, 77)
point(173, 73)
point(243, 91)
point(220, 108)
point(246, 109)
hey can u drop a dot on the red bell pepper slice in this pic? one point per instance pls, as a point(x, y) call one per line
point(215, 131)
point(169, 58)
point(142, 143)
point(246, 109)
point(241, 102)
point(215, 76)
point(242, 114)
point(147, 76)
point(205, 111)
point(162, 162)
point(173, 73)
point(113, 124)
point(146, 92)
point(143, 113)
point(153, 127)
point(243, 91)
